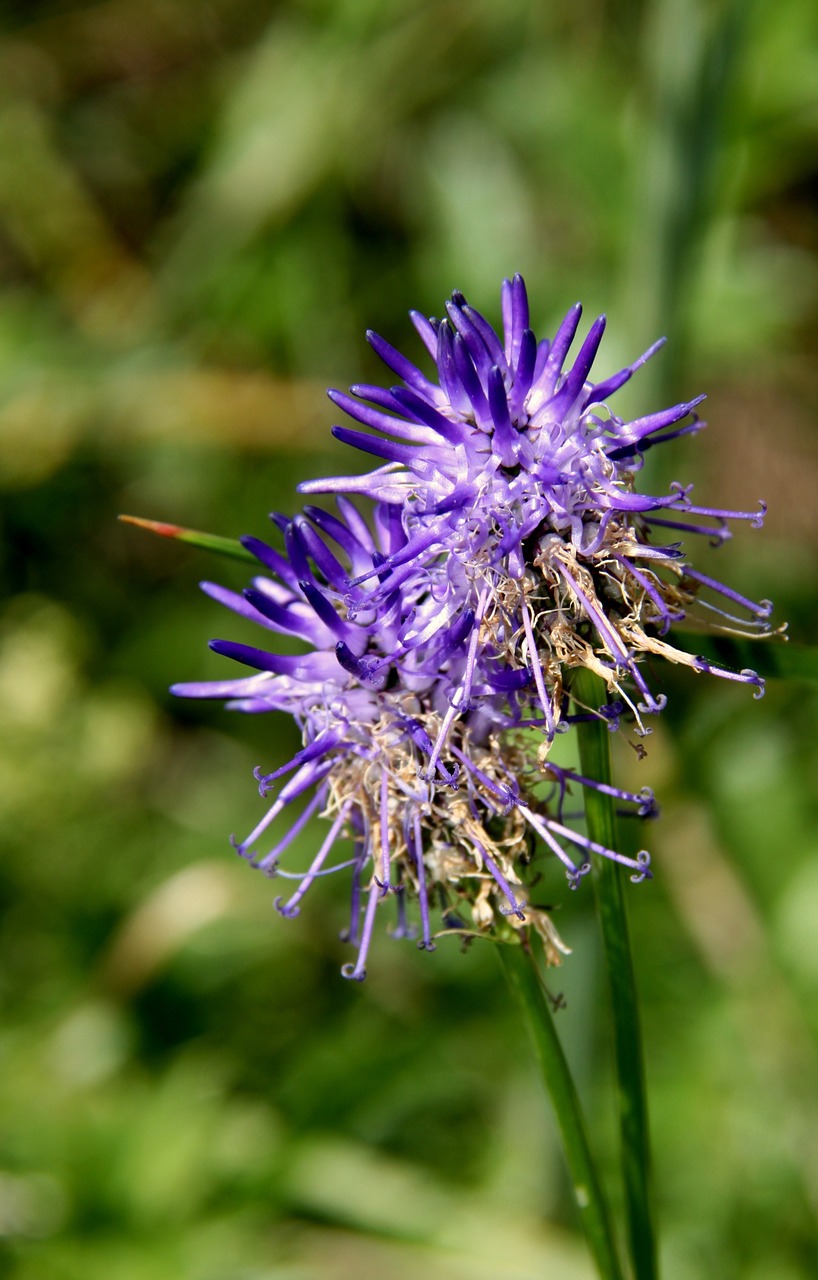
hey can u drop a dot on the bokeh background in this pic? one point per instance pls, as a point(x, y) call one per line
point(202, 208)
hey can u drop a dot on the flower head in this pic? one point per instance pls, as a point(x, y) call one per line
point(507, 546)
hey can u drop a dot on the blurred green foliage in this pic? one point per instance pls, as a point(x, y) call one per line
point(202, 207)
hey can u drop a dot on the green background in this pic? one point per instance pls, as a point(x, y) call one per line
point(202, 208)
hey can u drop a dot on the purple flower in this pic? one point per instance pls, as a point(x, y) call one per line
point(507, 547)
point(516, 485)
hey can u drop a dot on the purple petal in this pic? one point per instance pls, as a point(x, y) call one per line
point(307, 666)
point(398, 363)
point(380, 421)
point(388, 449)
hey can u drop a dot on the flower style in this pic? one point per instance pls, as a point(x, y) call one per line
point(507, 547)
point(514, 476)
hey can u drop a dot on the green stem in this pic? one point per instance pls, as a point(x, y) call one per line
point(521, 970)
point(607, 875)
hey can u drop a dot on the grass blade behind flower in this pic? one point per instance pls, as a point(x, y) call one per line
point(523, 976)
point(594, 746)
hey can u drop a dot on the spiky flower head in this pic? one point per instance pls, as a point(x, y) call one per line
point(507, 547)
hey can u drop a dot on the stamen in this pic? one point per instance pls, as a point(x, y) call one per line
point(534, 659)
point(514, 908)
point(291, 908)
point(644, 799)
point(307, 776)
point(357, 971)
point(540, 826)
point(402, 929)
point(666, 615)
point(385, 885)
point(610, 638)
point(267, 864)
point(746, 676)
point(426, 943)
point(761, 610)
point(640, 864)
point(718, 535)
point(351, 933)
point(324, 743)
point(505, 795)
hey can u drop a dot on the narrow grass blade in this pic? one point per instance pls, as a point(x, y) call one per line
point(594, 746)
point(521, 971)
point(206, 541)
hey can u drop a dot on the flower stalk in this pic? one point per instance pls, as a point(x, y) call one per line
point(594, 749)
point(521, 969)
